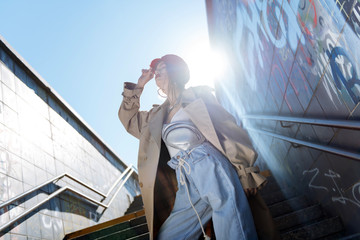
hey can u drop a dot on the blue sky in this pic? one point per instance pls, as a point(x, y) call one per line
point(86, 49)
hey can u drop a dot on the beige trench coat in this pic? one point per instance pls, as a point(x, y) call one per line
point(213, 121)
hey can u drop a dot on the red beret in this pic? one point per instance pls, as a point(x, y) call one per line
point(177, 68)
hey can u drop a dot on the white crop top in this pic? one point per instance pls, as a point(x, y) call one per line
point(181, 133)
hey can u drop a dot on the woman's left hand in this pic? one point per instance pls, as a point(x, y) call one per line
point(250, 191)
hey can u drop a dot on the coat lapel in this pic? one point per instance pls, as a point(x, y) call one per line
point(155, 128)
point(199, 115)
point(155, 124)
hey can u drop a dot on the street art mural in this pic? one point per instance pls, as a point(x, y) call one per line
point(296, 58)
point(337, 191)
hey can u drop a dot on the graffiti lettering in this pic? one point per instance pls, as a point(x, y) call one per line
point(256, 15)
point(356, 13)
point(314, 21)
point(316, 170)
point(51, 222)
point(348, 78)
point(341, 198)
point(322, 62)
point(356, 192)
point(94, 216)
point(355, 19)
point(254, 43)
point(336, 189)
point(329, 9)
point(293, 29)
point(302, 6)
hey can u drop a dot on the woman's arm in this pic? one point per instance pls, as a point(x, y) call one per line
point(129, 114)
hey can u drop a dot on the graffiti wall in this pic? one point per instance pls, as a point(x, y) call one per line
point(41, 138)
point(297, 59)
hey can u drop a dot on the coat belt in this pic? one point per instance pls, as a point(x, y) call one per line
point(248, 170)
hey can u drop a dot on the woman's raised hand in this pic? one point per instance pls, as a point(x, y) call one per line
point(146, 76)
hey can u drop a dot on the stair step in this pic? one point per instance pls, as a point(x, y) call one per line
point(355, 236)
point(127, 233)
point(335, 236)
point(270, 187)
point(116, 228)
point(278, 196)
point(136, 205)
point(137, 201)
point(316, 230)
point(296, 218)
point(145, 236)
point(134, 209)
point(290, 205)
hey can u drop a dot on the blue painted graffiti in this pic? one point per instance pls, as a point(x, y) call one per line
point(351, 84)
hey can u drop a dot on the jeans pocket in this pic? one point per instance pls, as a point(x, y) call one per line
point(199, 154)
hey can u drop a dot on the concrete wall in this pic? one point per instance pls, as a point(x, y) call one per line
point(40, 138)
point(297, 58)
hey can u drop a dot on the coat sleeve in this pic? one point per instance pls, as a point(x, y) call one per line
point(235, 142)
point(129, 114)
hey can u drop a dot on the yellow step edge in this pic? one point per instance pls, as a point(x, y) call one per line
point(104, 225)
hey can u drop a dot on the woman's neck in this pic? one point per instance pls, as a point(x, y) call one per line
point(174, 96)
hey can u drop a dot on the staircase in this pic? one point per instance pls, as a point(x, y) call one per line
point(131, 226)
point(296, 217)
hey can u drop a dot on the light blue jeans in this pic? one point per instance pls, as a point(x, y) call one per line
point(207, 177)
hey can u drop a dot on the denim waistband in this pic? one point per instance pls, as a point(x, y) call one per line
point(185, 154)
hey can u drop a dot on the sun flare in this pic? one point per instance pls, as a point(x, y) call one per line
point(206, 65)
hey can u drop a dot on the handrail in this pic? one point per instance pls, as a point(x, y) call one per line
point(119, 188)
point(119, 179)
point(31, 190)
point(58, 178)
point(67, 188)
point(333, 150)
point(322, 122)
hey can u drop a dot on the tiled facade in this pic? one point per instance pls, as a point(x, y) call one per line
point(41, 138)
point(297, 58)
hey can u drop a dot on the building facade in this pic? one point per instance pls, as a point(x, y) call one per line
point(41, 137)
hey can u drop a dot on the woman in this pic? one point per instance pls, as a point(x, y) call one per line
point(212, 158)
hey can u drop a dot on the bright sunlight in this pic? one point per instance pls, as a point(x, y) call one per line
point(206, 65)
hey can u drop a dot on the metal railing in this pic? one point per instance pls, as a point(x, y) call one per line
point(348, 124)
point(321, 122)
point(328, 149)
point(128, 171)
